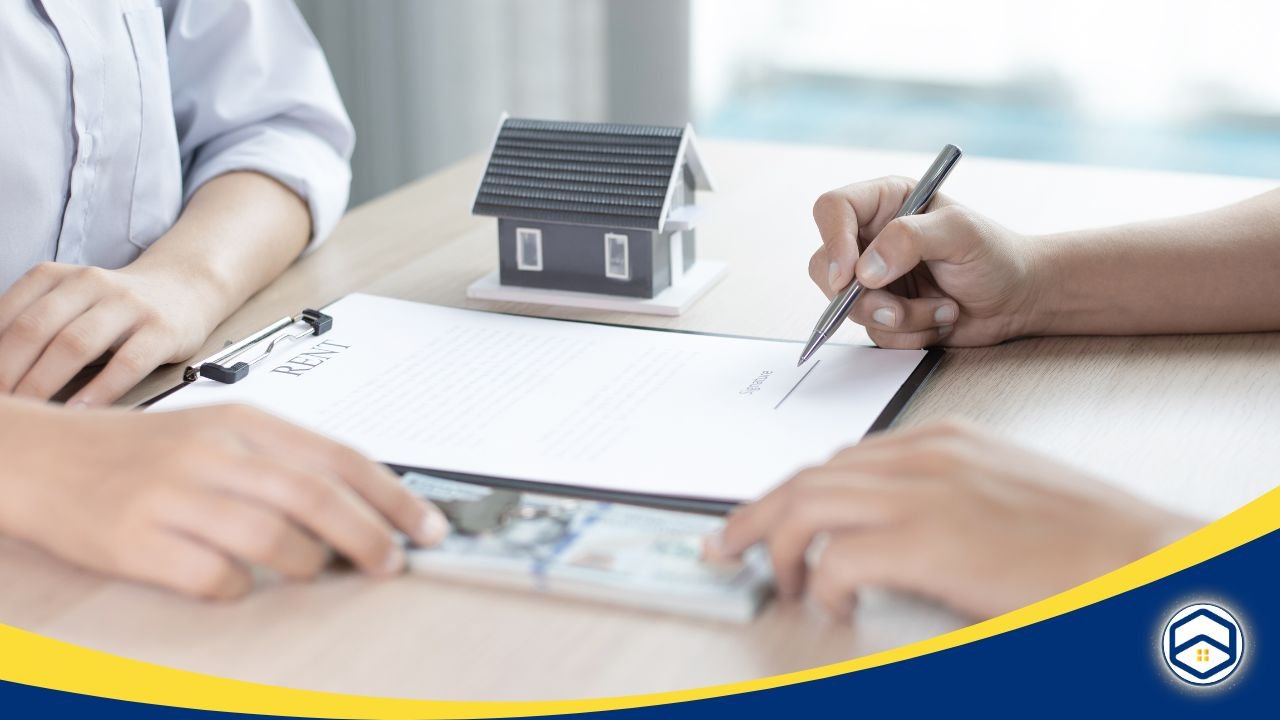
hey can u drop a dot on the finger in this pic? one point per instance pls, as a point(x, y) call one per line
point(881, 309)
point(910, 340)
point(324, 506)
point(377, 485)
point(143, 352)
point(845, 214)
point(251, 532)
point(32, 329)
point(35, 284)
point(184, 564)
point(852, 560)
point(81, 342)
point(746, 525)
point(757, 521)
point(830, 500)
point(819, 272)
point(381, 488)
point(943, 234)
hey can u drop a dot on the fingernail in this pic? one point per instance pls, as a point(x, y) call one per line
point(80, 404)
point(872, 267)
point(434, 527)
point(833, 275)
point(885, 316)
point(944, 315)
point(945, 330)
point(394, 564)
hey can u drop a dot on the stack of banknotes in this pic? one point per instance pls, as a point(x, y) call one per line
point(607, 552)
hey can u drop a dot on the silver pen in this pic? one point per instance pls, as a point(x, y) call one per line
point(915, 203)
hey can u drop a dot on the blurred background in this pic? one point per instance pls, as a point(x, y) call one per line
point(1172, 84)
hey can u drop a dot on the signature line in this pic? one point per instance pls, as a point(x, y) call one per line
point(793, 387)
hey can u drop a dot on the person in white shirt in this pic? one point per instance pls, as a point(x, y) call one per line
point(159, 164)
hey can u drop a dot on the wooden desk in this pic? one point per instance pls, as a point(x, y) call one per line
point(1190, 422)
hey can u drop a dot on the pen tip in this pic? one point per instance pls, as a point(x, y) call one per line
point(811, 347)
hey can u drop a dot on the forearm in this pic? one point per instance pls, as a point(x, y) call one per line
point(1210, 272)
point(238, 232)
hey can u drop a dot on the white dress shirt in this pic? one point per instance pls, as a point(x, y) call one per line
point(114, 112)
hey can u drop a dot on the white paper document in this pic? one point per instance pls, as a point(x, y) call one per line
point(598, 406)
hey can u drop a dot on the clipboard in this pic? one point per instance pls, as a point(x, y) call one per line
point(234, 363)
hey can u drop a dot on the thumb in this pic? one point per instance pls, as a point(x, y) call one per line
point(945, 234)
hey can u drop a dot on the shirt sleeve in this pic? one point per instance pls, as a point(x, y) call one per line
point(252, 91)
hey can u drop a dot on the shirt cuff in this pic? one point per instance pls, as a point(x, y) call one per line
point(296, 158)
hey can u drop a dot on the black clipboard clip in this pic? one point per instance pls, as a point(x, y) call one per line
point(225, 366)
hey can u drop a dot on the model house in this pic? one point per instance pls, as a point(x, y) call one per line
point(593, 207)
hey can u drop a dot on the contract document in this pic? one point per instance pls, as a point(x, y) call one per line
point(629, 410)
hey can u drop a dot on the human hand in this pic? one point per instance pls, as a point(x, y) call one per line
point(949, 513)
point(59, 318)
point(976, 281)
point(189, 500)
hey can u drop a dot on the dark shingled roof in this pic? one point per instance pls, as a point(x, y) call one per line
point(582, 173)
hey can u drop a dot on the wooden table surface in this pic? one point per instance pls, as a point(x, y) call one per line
point(1190, 422)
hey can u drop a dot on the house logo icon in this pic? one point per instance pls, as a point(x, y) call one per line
point(1203, 644)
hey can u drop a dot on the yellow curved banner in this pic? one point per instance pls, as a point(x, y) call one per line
point(31, 659)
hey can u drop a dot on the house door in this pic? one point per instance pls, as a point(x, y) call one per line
point(677, 257)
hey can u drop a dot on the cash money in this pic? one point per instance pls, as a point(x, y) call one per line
point(608, 552)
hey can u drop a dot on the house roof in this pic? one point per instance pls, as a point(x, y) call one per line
point(601, 174)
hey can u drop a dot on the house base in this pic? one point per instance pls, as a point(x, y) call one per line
point(673, 301)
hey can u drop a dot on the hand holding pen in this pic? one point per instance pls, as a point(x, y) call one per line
point(974, 279)
point(916, 202)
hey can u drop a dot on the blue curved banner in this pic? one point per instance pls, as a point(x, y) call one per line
point(1102, 660)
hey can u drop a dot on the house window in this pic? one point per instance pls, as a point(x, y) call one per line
point(528, 249)
point(617, 263)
